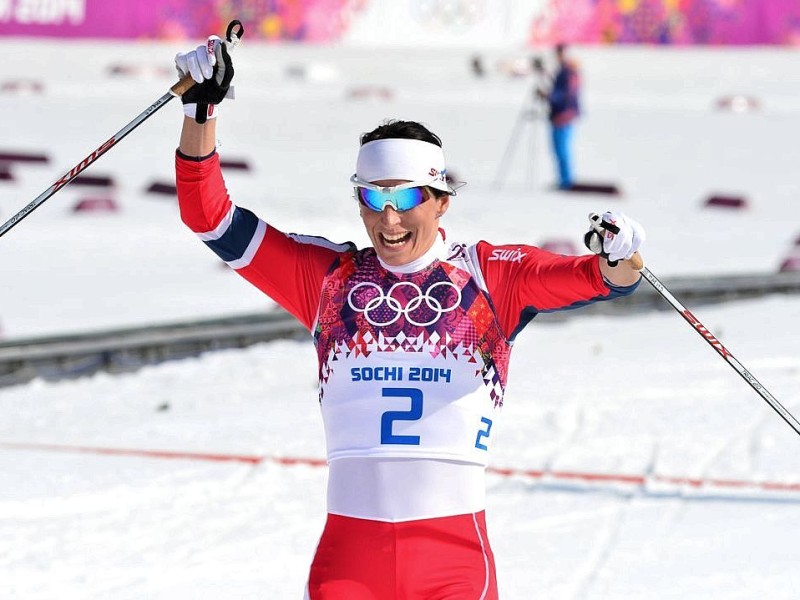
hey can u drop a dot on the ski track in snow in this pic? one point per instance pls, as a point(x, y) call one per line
point(640, 395)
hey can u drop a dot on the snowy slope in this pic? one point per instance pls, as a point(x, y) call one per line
point(665, 475)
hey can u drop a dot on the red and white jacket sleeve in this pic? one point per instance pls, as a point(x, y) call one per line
point(288, 268)
point(523, 281)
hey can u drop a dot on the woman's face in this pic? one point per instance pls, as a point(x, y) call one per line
point(401, 237)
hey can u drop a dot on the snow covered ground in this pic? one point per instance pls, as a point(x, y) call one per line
point(666, 476)
point(650, 126)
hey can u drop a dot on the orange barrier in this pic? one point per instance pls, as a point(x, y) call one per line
point(668, 484)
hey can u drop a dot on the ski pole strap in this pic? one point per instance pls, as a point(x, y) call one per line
point(234, 33)
point(233, 36)
point(593, 240)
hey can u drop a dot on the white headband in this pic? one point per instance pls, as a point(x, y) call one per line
point(399, 158)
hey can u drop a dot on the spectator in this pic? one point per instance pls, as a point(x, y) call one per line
point(562, 96)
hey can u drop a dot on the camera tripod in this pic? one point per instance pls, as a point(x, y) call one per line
point(529, 114)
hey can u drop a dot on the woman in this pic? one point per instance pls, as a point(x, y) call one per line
point(413, 337)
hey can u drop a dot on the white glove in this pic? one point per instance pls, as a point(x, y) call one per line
point(200, 62)
point(614, 236)
point(211, 67)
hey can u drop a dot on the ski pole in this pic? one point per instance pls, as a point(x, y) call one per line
point(709, 337)
point(233, 34)
point(594, 243)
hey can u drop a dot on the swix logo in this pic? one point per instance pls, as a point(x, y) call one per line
point(508, 255)
point(83, 164)
point(441, 175)
point(609, 235)
point(706, 334)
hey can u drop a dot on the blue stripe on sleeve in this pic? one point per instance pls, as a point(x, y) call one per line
point(232, 244)
point(617, 291)
point(530, 312)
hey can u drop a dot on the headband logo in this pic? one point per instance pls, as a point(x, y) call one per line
point(434, 172)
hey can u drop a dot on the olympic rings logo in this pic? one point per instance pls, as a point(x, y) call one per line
point(392, 305)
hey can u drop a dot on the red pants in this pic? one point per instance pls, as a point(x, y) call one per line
point(448, 558)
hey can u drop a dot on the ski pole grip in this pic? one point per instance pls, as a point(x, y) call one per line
point(636, 261)
point(183, 86)
point(233, 36)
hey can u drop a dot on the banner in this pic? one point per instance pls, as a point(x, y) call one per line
point(297, 20)
point(103, 18)
point(421, 22)
point(681, 22)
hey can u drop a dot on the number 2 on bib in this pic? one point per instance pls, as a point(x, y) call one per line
point(414, 413)
point(483, 433)
point(390, 416)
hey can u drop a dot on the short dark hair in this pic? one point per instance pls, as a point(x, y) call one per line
point(407, 130)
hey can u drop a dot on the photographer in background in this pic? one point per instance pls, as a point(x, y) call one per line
point(561, 92)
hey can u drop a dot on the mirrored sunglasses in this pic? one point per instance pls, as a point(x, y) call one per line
point(400, 197)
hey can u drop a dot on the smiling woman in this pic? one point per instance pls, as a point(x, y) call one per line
point(413, 338)
point(402, 188)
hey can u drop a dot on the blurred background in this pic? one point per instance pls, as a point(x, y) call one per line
point(688, 119)
point(122, 338)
